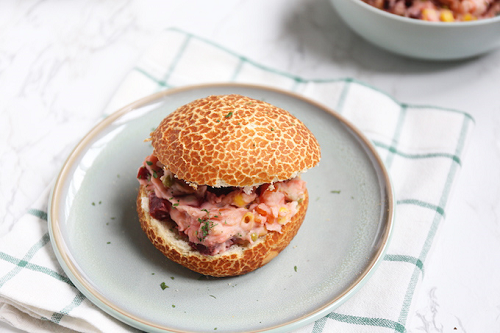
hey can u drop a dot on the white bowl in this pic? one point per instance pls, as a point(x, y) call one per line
point(417, 38)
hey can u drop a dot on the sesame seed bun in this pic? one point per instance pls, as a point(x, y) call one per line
point(233, 140)
point(237, 260)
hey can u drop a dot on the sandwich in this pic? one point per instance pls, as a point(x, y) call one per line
point(221, 193)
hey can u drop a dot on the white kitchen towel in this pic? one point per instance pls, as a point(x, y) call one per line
point(422, 147)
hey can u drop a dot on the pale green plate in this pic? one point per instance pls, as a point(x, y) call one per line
point(99, 243)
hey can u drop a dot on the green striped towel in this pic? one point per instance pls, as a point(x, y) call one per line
point(422, 147)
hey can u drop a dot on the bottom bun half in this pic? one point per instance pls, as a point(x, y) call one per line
point(237, 260)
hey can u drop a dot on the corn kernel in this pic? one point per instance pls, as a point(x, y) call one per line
point(282, 215)
point(429, 14)
point(238, 200)
point(469, 17)
point(446, 16)
point(283, 211)
point(254, 236)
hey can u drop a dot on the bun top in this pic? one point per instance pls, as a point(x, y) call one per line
point(233, 140)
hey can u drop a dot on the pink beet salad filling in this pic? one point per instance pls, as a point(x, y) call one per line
point(213, 219)
point(440, 10)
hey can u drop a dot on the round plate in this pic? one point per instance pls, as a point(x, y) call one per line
point(97, 238)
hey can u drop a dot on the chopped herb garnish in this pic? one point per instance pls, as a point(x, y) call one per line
point(229, 114)
point(295, 268)
point(149, 163)
point(100, 202)
point(239, 123)
point(163, 286)
point(213, 296)
point(272, 128)
point(152, 273)
point(108, 243)
point(175, 204)
point(107, 223)
point(113, 218)
point(338, 191)
point(173, 305)
point(207, 225)
point(172, 277)
point(93, 204)
point(155, 174)
point(218, 120)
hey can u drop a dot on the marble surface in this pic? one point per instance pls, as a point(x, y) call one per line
point(60, 62)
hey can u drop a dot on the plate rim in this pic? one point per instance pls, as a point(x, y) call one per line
point(70, 267)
